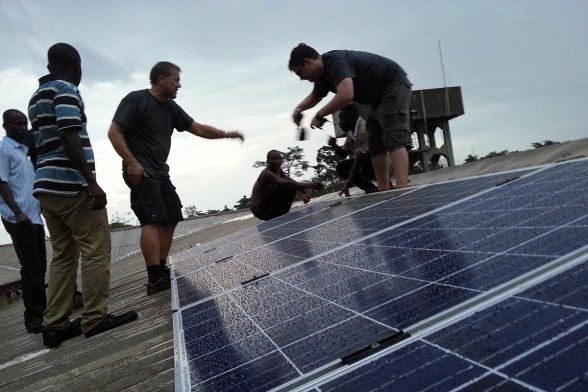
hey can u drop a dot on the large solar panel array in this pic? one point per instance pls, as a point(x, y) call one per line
point(475, 284)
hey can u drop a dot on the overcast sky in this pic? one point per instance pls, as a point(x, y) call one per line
point(521, 65)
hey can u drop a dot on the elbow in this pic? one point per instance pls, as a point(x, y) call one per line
point(346, 97)
point(114, 132)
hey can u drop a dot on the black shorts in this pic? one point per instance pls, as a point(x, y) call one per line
point(155, 201)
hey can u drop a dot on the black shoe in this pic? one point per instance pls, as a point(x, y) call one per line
point(34, 325)
point(160, 284)
point(166, 272)
point(53, 338)
point(111, 321)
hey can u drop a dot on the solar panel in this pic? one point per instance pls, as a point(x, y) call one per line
point(373, 291)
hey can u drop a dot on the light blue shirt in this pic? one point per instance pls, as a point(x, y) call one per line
point(17, 171)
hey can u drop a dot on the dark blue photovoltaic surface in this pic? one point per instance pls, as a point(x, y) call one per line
point(339, 278)
point(415, 367)
point(313, 234)
point(541, 343)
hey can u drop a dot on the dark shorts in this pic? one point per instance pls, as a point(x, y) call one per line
point(155, 201)
point(276, 202)
point(388, 123)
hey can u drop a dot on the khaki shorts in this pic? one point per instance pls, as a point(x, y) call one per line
point(388, 123)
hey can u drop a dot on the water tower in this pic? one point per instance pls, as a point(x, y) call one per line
point(431, 110)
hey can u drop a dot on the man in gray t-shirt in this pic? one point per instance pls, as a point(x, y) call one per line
point(364, 78)
point(141, 134)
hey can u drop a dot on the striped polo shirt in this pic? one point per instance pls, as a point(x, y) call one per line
point(54, 107)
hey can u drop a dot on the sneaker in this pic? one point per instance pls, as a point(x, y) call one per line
point(112, 321)
point(160, 284)
point(53, 338)
point(34, 325)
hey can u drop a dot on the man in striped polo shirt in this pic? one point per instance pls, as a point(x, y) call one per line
point(73, 203)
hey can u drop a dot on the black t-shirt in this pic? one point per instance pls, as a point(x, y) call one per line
point(370, 72)
point(148, 125)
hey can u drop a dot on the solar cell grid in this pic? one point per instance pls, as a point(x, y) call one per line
point(343, 279)
point(396, 207)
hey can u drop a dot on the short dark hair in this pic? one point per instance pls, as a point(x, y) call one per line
point(299, 53)
point(62, 54)
point(162, 68)
point(270, 152)
point(6, 116)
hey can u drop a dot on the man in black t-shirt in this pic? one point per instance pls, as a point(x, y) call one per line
point(141, 133)
point(364, 78)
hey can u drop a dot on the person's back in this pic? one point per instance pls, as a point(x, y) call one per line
point(371, 74)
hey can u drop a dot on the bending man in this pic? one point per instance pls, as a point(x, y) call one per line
point(365, 78)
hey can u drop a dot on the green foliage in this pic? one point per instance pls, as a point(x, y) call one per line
point(242, 204)
point(545, 143)
point(192, 211)
point(121, 221)
point(325, 169)
point(493, 154)
point(471, 158)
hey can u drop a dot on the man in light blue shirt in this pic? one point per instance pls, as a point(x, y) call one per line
point(20, 213)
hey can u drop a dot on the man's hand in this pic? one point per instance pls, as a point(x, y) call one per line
point(306, 198)
point(97, 196)
point(297, 116)
point(235, 135)
point(317, 122)
point(345, 190)
point(135, 173)
point(332, 142)
point(22, 219)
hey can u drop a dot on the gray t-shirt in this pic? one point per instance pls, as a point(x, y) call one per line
point(148, 125)
point(370, 72)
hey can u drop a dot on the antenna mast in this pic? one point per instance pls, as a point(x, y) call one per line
point(447, 111)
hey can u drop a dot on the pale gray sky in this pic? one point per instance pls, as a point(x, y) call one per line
point(521, 66)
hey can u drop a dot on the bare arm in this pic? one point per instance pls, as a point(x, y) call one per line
point(134, 169)
point(8, 197)
point(343, 96)
point(339, 151)
point(210, 132)
point(73, 149)
point(352, 174)
point(271, 178)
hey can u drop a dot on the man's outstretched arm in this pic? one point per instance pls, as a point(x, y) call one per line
point(210, 132)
